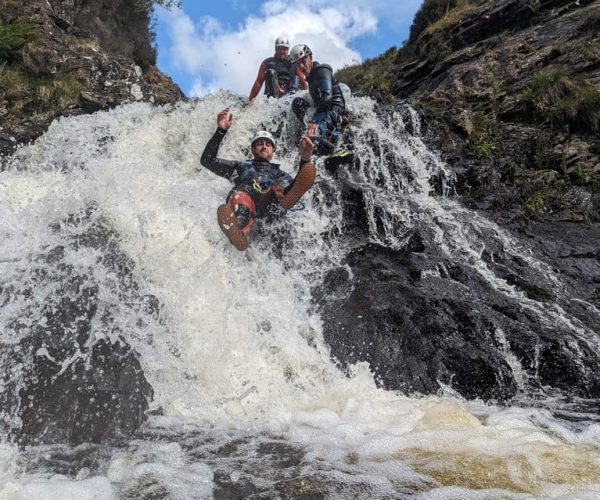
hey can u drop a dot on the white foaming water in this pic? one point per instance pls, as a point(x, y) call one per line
point(239, 351)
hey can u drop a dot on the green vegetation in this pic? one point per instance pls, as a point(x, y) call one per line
point(375, 75)
point(591, 50)
point(564, 100)
point(462, 9)
point(536, 202)
point(433, 11)
point(481, 135)
point(584, 175)
point(23, 92)
point(13, 37)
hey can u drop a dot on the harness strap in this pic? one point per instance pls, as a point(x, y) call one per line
point(261, 187)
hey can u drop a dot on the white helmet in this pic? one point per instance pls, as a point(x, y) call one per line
point(282, 42)
point(298, 52)
point(263, 134)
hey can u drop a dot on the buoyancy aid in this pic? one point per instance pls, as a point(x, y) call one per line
point(283, 69)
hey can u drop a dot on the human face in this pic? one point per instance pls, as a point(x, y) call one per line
point(305, 64)
point(281, 52)
point(263, 150)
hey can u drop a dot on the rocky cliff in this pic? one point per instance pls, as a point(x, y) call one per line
point(510, 90)
point(67, 57)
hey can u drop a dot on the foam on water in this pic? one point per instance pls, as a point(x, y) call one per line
point(241, 348)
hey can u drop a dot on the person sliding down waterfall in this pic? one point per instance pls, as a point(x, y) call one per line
point(330, 116)
point(258, 183)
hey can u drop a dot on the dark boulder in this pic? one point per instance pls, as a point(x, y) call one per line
point(70, 374)
point(420, 329)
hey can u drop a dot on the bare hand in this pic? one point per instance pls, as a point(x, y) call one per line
point(224, 119)
point(311, 130)
point(306, 147)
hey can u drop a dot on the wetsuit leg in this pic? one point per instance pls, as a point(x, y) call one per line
point(329, 123)
point(271, 83)
point(299, 107)
point(294, 85)
point(243, 207)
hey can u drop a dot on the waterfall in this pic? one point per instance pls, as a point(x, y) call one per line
point(247, 398)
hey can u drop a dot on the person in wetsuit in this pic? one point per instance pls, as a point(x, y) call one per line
point(258, 183)
point(278, 74)
point(324, 92)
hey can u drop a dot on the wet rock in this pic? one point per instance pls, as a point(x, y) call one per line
point(423, 322)
point(70, 375)
point(100, 396)
point(414, 332)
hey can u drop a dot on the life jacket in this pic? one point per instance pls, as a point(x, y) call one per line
point(283, 69)
point(262, 181)
point(314, 79)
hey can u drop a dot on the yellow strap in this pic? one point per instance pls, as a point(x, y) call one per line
point(257, 188)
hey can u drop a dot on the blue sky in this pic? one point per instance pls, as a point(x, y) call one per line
point(209, 45)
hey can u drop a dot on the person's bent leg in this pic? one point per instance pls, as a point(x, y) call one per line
point(271, 83)
point(328, 123)
point(243, 207)
point(294, 85)
point(236, 218)
point(304, 180)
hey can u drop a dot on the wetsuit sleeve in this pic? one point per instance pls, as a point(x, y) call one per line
point(324, 80)
point(228, 169)
point(260, 78)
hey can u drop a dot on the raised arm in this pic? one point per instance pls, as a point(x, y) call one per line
point(223, 168)
point(260, 78)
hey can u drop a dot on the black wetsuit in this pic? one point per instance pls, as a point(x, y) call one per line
point(328, 98)
point(277, 72)
point(260, 179)
point(325, 90)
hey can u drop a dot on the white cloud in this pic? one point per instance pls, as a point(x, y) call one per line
point(217, 58)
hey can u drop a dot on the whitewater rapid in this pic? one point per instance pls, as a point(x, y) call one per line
point(239, 349)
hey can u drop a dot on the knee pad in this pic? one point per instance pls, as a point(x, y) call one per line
point(242, 205)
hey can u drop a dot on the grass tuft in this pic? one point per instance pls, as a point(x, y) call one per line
point(24, 92)
point(564, 100)
point(481, 135)
point(454, 16)
point(13, 37)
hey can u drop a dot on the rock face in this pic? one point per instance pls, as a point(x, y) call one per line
point(503, 91)
point(510, 95)
point(82, 57)
point(420, 330)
